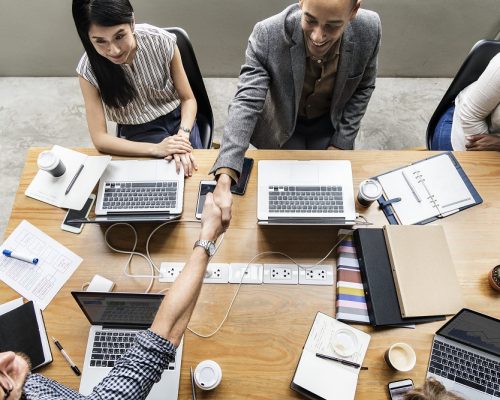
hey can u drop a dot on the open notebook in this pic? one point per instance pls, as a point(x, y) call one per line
point(319, 378)
point(428, 189)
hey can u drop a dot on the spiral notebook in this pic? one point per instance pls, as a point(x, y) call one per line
point(426, 190)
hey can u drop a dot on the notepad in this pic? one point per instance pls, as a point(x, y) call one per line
point(318, 378)
point(432, 188)
point(423, 270)
point(51, 190)
point(22, 330)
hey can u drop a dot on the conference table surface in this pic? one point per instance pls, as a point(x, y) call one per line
point(260, 344)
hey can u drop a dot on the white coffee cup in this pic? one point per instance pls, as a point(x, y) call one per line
point(401, 357)
point(50, 162)
point(207, 375)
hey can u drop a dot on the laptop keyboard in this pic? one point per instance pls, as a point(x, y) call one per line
point(465, 367)
point(108, 347)
point(139, 195)
point(305, 199)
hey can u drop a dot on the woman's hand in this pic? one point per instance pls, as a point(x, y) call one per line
point(483, 142)
point(175, 144)
point(186, 159)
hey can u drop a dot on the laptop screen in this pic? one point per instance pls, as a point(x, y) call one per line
point(474, 329)
point(119, 309)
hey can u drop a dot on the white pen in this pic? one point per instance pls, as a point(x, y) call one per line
point(411, 187)
point(19, 256)
point(66, 357)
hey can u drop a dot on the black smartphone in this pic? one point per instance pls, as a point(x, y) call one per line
point(241, 185)
point(76, 227)
point(205, 187)
point(398, 389)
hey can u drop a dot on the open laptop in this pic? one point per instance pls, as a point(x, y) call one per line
point(139, 191)
point(465, 356)
point(115, 319)
point(315, 192)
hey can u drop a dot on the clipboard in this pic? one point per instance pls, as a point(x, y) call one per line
point(416, 185)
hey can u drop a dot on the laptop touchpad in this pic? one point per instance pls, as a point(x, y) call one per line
point(304, 174)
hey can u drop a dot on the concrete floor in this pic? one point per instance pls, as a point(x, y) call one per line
point(48, 111)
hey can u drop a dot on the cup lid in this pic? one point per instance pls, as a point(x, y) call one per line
point(208, 374)
point(370, 189)
point(47, 160)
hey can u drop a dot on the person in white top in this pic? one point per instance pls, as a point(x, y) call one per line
point(133, 75)
point(475, 124)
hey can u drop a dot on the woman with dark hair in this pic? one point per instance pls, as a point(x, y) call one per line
point(133, 75)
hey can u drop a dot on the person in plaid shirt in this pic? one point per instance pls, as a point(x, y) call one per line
point(141, 367)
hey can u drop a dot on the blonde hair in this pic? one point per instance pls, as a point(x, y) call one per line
point(431, 390)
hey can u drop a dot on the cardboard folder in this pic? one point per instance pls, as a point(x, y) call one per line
point(423, 270)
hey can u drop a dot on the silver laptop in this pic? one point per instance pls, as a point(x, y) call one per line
point(315, 192)
point(139, 190)
point(465, 356)
point(116, 318)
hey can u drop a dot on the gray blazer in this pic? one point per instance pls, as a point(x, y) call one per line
point(265, 107)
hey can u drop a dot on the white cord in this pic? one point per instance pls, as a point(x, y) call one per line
point(205, 336)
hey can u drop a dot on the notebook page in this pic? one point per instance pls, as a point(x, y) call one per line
point(427, 189)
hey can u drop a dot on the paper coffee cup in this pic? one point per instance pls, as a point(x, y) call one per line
point(369, 191)
point(207, 375)
point(50, 162)
point(401, 357)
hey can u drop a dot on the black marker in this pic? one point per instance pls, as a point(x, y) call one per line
point(68, 359)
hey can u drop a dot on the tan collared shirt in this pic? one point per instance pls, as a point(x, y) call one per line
point(319, 81)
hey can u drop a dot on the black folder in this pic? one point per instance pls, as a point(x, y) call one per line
point(20, 332)
point(376, 275)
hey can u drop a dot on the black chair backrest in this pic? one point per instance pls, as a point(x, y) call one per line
point(472, 68)
point(204, 116)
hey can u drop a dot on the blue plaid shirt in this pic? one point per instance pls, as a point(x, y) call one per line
point(132, 377)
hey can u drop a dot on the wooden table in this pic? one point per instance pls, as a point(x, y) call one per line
point(260, 343)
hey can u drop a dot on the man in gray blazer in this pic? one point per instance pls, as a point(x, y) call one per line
point(306, 82)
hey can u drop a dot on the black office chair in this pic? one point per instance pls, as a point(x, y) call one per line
point(472, 68)
point(204, 116)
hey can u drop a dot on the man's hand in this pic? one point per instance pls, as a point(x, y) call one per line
point(331, 147)
point(211, 220)
point(483, 142)
point(224, 198)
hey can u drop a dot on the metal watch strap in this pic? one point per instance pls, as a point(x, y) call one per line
point(203, 243)
point(183, 128)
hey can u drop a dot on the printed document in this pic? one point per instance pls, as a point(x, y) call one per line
point(40, 282)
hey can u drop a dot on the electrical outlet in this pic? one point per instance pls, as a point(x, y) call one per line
point(217, 273)
point(253, 274)
point(169, 271)
point(316, 275)
point(281, 274)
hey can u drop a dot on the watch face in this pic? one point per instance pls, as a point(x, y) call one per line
point(211, 249)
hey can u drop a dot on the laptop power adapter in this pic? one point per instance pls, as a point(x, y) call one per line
point(100, 284)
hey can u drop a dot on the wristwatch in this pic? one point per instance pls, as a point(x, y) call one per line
point(208, 245)
point(183, 128)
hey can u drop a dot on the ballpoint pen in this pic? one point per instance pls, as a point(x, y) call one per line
point(193, 390)
point(74, 179)
point(339, 360)
point(68, 359)
point(411, 187)
point(20, 256)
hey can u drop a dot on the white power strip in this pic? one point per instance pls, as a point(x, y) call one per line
point(277, 274)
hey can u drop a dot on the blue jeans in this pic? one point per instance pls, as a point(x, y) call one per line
point(158, 129)
point(442, 133)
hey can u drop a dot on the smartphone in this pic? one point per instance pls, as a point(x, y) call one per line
point(205, 187)
point(77, 214)
point(398, 389)
point(241, 185)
